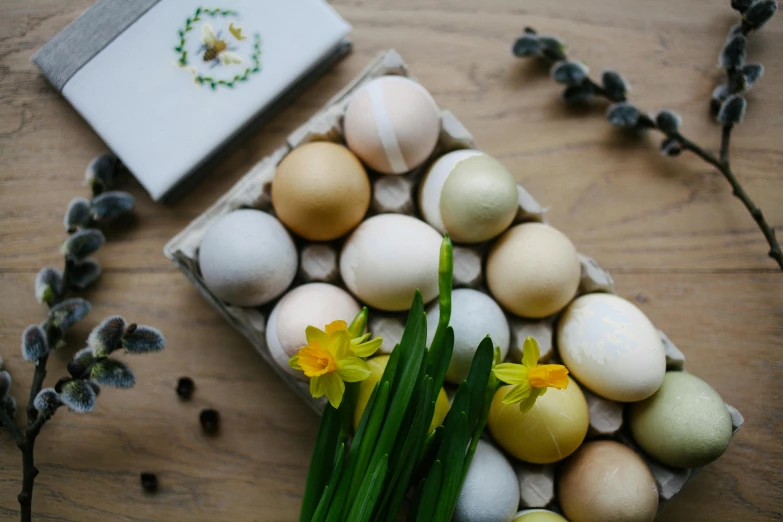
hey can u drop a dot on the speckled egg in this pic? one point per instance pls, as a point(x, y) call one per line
point(320, 191)
point(685, 424)
point(538, 515)
point(611, 347)
point(247, 258)
point(377, 365)
point(607, 482)
point(549, 432)
point(388, 257)
point(470, 195)
point(490, 492)
point(314, 304)
point(533, 270)
point(392, 124)
point(474, 315)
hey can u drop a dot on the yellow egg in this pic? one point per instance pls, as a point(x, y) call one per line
point(533, 270)
point(607, 482)
point(378, 365)
point(538, 515)
point(551, 431)
point(320, 191)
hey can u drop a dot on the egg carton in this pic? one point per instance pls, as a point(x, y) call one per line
point(318, 262)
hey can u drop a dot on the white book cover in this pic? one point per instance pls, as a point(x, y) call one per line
point(182, 78)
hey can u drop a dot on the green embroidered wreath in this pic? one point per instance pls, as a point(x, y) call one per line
point(182, 53)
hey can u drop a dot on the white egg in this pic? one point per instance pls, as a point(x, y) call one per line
point(611, 347)
point(314, 304)
point(247, 258)
point(470, 195)
point(388, 257)
point(474, 315)
point(491, 490)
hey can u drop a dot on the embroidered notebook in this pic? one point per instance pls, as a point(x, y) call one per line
point(168, 83)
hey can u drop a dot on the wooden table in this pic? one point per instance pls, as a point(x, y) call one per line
point(675, 240)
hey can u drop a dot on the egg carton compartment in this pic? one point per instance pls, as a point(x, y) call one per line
point(319, 262)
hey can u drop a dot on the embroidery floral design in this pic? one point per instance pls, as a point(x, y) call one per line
point(214, 48)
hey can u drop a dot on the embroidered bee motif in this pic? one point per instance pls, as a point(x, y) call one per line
point(216, 49)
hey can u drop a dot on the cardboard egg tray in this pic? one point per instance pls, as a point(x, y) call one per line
point(319, 262)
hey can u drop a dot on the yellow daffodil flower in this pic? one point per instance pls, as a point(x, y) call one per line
point(530, 379)
point(332, 358)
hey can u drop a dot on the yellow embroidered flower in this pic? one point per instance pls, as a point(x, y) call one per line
point(530, 380)
point(331, 358)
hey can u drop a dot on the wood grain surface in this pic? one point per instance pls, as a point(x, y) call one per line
point(675, 239)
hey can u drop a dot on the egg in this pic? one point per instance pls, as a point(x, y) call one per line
point(611, 347)
point(549, 432)
point(685, 424)
point(388, 257)
point(470, 195)
point(377, 365)
point(490, 492)
point(320, 191)
point(474, 315)
point(533, 270)
point(247, 258)
point(538, 515)
point(314, 304)
point(392, 123)
point(607, 482)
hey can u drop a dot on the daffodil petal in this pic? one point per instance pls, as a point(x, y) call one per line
point(360, 339)
point(353, 369)
point(359, 323)
point(315, 334)
point(530, 352)
point(339, 344)
point(293, 362)
point(368, 348)
point(335, 326)
point(518, 393)
point(334, 388)
point(527, 404)
point(316, 387)
point(510, 373)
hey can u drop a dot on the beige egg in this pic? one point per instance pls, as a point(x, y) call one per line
point(533, 270)
point(314, 304)
point(320, 191)
point(685, 424)
point(388, 257)
point(392, 123)
point(607, 482)
point(611, 347)
point(247, 258)
point(470, 195)
point(538, 515)
point(549, 432)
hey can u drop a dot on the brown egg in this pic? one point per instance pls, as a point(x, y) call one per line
point(320, 191)
point(607, 482)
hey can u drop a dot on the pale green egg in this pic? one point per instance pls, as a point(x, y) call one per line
point(685, 424)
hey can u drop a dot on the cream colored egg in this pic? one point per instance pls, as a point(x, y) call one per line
point(474, 315)
point(538, 515)
point(685, 424)
point(490, 492)
point(320, 191)
point(314, 304)
point(392, 124)
point(549, 432)
point(247, 258)
point(611, 347)
point(607, 482)
point(533, 270)
point(388, 257)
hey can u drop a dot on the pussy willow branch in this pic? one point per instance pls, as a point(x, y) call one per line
point(552, 50)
